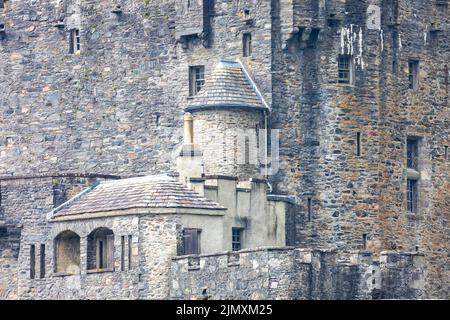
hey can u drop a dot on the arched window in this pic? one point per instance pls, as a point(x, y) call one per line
point(67, 253)
point(100, 250)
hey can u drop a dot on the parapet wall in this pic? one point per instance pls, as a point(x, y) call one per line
point(294, 273)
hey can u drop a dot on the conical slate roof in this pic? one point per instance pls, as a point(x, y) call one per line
point(229, 86)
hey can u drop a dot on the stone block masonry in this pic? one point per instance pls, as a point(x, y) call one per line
point(293, 273)
point(116, 108)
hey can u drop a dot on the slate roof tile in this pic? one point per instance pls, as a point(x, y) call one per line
point(144, 192)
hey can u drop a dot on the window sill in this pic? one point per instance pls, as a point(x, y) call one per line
point(413, 174)
point(99, 271)
point(414, 216)
point(64, 274)
point(190, 98)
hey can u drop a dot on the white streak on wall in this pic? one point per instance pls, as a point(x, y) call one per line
point(381, 40)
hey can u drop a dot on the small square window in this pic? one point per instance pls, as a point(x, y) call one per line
point(191, 241)
point(196, 79)
point(236, 239)
point(413, 67)
point(345, 69)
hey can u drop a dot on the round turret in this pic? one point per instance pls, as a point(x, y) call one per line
point(228, 113)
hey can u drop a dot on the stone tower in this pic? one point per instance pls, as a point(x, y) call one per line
point(228, 113)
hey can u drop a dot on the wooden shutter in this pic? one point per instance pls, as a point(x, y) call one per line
point(110, 251)
point(191, 241)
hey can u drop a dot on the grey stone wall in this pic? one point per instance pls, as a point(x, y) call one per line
point(292, 273)
point(116, 107)
point(221, 135)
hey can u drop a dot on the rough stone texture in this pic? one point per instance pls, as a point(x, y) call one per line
point(116, 107)
point(24, 205)
point(292, 273)
point(221, 134)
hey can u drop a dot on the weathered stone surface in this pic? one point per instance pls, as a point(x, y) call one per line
point(116, 108)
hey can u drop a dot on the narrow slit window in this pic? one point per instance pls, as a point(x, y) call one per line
point(196, 79)
point(364, 240)
point(130, 252)
point(247, 44)
point(122, 253)
point(75, 41)
point(413, 67)
point(42, 262)
point(32, 261)
point(309, 209)
point(358, 144)
point(412, 195)
point(446, 153)
point(345, 69)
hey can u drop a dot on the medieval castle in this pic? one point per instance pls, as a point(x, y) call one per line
point(224, 149)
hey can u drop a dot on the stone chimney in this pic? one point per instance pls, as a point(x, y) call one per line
point(190, 161)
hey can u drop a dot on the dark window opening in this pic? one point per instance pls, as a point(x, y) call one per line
point(122, 253)
point(42, 262)
point(345, 69)
point(413, 66)
point(309, 209)
point(358, 144)
point(364, 240)
point(196, 79)
point(412, 195)
point(100, 250)
point(247, 44)
point(236, 239)
point(75, 41)
point(446, 153)
point(412, 151)
point(191, 239)
point(32, 261)
point(130, 252)
point(2, 4)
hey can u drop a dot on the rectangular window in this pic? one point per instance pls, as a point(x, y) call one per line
point(412, 195)
point(412, 151)
point(42, 262)
point(75, 43)
point(236, 239)
point(130, 252)
point(2, 4)
point(122, 253)
point(247, 44)
point(364, 241)
point(32, 261)
point(445, 154)
point(358, 144)
point(345, 69)
point(309, 209)
point(191, 238)
point(413, 74)
point(196, 79)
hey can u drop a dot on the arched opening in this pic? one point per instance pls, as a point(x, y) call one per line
point(67, 253)
point(100, 250)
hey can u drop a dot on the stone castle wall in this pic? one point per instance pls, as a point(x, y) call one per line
point(116, 108)
point(292, 273)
